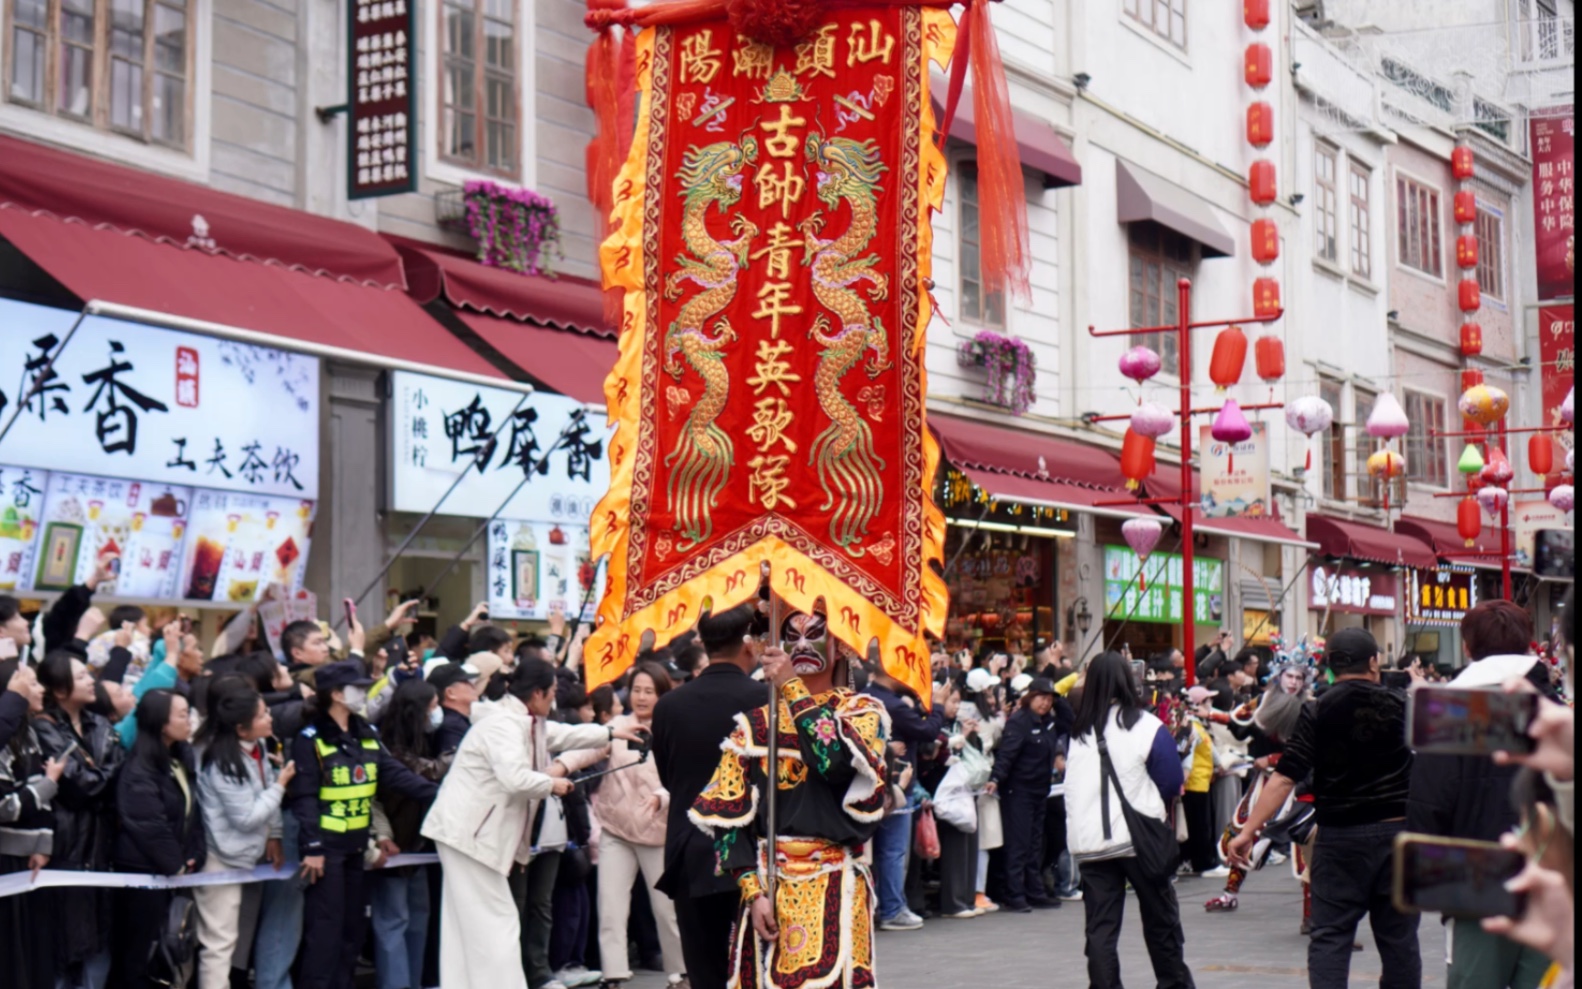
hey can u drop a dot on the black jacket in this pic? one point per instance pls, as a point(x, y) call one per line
point(161, 826)
point(13, 712)
point(690, 723)
point(451, 731)
point(1025, 757)
point(1352, 739)
point(907, 724)
point(85, 806)
point(303, 794)
point(288, 710)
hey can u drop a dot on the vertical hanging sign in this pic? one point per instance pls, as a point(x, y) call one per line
point(381, 97)
point(1554, 202)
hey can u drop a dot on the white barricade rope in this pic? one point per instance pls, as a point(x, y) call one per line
point(16, 883)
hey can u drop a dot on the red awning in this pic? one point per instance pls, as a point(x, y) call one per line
point(1032, 468)
point(1359, 541)
point(567, 302)
point(1040, 148)
point(1447, 542)
point(1264, 529)
point(574, 364)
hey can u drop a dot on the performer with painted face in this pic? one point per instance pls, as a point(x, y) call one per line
point(1266, 722)
point(830, 797)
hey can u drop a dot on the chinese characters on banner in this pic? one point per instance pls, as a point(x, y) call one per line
point(21, 514)
point(442, 429)
point(773, 241)
point(1355, 592)
point(158, 406)
point(1554, 201)
point(142, 523)
point(1440, 597)
point(382, 98)
point(1161, 602)
point(1557, 352)
point(1235, 481)
point(535, 568)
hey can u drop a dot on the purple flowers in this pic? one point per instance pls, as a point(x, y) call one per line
point(516, 229)
point(1011, 368)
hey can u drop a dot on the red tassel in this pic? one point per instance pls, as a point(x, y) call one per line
point(1309, 457)
point(605, 151)
point(1142, 577)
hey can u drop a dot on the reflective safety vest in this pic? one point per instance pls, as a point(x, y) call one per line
point(347, 786)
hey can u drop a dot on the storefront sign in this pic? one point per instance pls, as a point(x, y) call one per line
point(1557, 351)
point(961, 499)
point(1356, 592)
point(1160, 600)
point(441, 429)
point(1527, 518)
point(21, 516)
point(1235, 477)
point(238, 544)
point(156, 406)
point(381, 94)
point(537, 568)
point(1440, 597)
point(1554, 201)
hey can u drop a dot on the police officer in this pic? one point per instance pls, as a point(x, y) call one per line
point(1023, 766)
point(340, 767)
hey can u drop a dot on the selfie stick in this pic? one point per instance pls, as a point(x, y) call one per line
point(613, 769)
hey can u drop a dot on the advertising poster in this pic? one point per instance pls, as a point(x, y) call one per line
point(1235, 480)
point(1527, 518)
point(1160, 599)
point(88, 517)
point(1557, 351)
point(21, 513)
point(238, 544)
point(1554, 201)
point(536, 568)
point(1440, 598)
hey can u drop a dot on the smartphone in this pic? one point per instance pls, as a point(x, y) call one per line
point(1455, 877)
point(1139, 670)
point(65, 753)
point(351, 610)
point(1461, 721)
point(186, 623)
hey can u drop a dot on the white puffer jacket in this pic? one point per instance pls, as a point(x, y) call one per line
point(1084, 771)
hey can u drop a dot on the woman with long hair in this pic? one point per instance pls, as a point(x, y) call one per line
point(240, 791)
point(1121, 757)
point(161, 832)
point(79, 917)
point(398, 898)
point(28, 783)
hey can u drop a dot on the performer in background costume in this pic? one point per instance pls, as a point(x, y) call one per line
point(831, 795)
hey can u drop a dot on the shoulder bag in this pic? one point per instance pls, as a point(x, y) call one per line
point(1153, 842)
point(173, 957)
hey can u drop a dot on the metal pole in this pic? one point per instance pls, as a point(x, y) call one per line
point(1505, 530)
point(41, 377)
point(1188, 600)
point(772, 772)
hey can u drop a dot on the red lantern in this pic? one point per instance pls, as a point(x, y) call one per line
point(1541, 454)
point(1261, 182)
point(1467, 251)
point(1468, 295)
point(1471, 340)
point(1265, 241)
point(1266, 298)
point(1268, 355)
point(1229, 357)
point(1255, 13)
point(1471, 378)
point(1260, 65)
point(1260, 124)
point(1466, 206)
point(1137, 457)
point(1469, 521)
point(1461, 163)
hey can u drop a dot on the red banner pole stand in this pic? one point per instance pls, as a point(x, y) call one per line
point(1183, 331)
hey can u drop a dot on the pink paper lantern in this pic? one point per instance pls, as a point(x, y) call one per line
point(1388, 419)
point(1230, 427)
point(1492, 499)
point(1497, 471)
point(1140, 364)
point(1153, 420)
point(1563, 497)
point(1142, 535)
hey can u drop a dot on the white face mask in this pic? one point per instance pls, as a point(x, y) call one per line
point(436, 717)
point(355, 698)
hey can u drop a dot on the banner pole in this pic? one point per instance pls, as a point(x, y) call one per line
point(771, 872)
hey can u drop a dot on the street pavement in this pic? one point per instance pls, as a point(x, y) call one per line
point(1257, 947)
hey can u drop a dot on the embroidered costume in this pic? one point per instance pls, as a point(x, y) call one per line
point(831, 797)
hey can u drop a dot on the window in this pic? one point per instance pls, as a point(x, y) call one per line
point(1332, 448)
point(1427, 459)
point(1166, 18)
point(1416, 83)
point(119, 65)
point(1417, 227)
point(1491, 120)
point(1361, 222)
point(1491, 253)
point(478, 100)
point(978, 306)
point(1326, 213)
point(1159, 259)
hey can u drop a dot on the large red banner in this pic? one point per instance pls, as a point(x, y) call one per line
point(1557, 351)
point(773, 244)
point(1554, 202)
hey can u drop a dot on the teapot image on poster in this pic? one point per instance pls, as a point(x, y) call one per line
point(142, 523)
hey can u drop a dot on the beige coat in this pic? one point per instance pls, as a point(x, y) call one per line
point(487, 803)
point(625, 801)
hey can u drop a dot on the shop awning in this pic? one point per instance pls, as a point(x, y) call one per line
point(565, 302)
point(1359, 541)
point(280, 276)
point(568, 362)
point(1039, 147)
point(1033, 469)
point(1142, 195)
point(1448, 544)
point(1263, 529)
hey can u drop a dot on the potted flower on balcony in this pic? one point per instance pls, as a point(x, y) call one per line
point(516, 229)
point(1010, 369)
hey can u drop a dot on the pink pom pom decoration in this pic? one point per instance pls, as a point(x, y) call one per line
point(1140, 364)
point(1563, 497)
point(1153, 420)
point(1388, 419)
point(1142, 535)
point(1492, 500)
point(1309, 414)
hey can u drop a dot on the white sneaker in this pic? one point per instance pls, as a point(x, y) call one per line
point(962, 915)
point(1075, 896)
point(1218, 872)
point(906, 920)
point(1276, 858)
point(554, 984)
point(576, 975)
